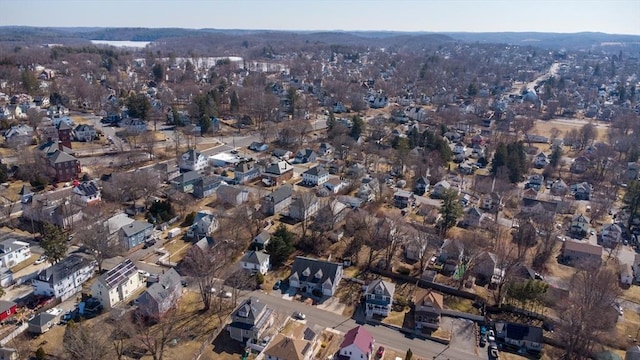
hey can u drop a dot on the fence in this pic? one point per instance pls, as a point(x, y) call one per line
point(426, 284)
point(19, 330)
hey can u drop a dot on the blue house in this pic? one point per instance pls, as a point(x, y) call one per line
point(206, 186)
point(135, 234)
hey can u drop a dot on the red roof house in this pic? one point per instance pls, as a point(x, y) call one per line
point(357, 344)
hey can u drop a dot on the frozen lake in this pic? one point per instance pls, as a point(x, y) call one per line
point(122, 43)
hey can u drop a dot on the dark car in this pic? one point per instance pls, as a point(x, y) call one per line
point(276, 286)
point(380, 352)
point(149, 243)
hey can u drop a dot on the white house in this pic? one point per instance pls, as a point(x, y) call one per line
point(611, 235)
point(204, 223)
point(257, 261)
point(440, 187)
point(541, 160)
point(317, 175)
point(193, 160)
point(134, 125)
point(117, 284)
point(13, 252)
point(358, 344)
point(379, 298)
point(65, 278)
point(315, 276)
point(334, 185)
point(261, 240)
point(87, 193)
point(84, 132)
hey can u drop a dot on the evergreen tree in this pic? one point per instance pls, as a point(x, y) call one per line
point(280, 246)
point(138, 106)
point(54, 243)
point(357, 128)
point(158, 72)
point(451, 209)
point(331, 121)
point(556, 155)
point(631, 202)
point(409, 355)
point(234, 102)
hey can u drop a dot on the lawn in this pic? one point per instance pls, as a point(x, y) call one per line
point(459, 304)
point(177, 249)
point(632, 294)
point(25, 263)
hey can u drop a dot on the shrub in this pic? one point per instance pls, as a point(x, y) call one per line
point(40, 354)
point(404, 270)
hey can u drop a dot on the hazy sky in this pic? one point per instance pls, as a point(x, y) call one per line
point(609, 16)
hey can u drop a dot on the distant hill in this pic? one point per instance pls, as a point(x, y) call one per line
point(556, 41)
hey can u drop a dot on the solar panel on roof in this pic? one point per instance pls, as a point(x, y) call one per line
point(119, 273)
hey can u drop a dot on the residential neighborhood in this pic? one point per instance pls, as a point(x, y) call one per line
point(319, 196)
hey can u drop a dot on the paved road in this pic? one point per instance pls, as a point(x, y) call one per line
point(383, 335)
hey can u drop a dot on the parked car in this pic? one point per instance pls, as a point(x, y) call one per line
point(144, 273)
point(491, 336)
point(380, 352)
point(225, 294)
point(276, 286)
point(41, 259)
point(618, 308)
point(298, 315)
point(483, 341)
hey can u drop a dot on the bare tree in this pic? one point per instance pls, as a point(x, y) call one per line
point(95, 238)
point(205, 265)
point(155, 337)
point(83, 341)
point(35, 119)
point(588, 311)
point(148, 141)
point(239, 281)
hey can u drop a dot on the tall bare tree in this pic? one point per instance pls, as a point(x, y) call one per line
point(205, 265)
point(95, 237)
point(83, 341)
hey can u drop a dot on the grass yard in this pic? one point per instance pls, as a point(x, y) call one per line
point(177, 249)
point(459, 304)
point(25, 263)
point(632, 294)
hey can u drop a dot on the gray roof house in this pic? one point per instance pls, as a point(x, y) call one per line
point(315, 276)
point(206, 186)
point(135, 234)
point(255, 261)
point(186, 182)
point(231, 195)
point(204, 223)
point(41, 323)
point(379, 298)
point(278, 200)
point(250, 320)
point(65, 278)
point(161, 296)
point(261, 240)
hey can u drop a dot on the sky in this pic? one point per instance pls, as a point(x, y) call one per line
point(565, 16)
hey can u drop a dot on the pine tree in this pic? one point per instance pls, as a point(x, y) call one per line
point(54, 243)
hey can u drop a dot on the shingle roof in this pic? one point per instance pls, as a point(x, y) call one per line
point(287, 348)
point(119, 274)
point(135, 228)
point(358, 336)
point(60, 157)
point(315, 270)
point(280, 194)
point(63, 269)
point(524, 332)
point(87, 188)
point(317, 171)
point(255, 257)
point(583, 247)
point(388, 289)
point(42, 319)
point(165, 285)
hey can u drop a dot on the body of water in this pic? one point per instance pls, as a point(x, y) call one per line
point(121, 43)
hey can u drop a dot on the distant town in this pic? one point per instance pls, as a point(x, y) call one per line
point(295, 196)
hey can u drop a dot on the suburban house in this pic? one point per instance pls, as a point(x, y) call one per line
point(87, 193)
point(317, 175)
point(636, 267)
point(290, 348)
point(161, 296)
point(559, 188)
point(525, 337)
point(580, 251)
point(261, 240)
point(403, 198)
point(63, 167)
point(579, 225)
point(305, 156)
point(52, 207)
point(278, 172)
point(451, 254)
point(487, 269)
point(13, 252)
point(428, 309)
point(304, 207)
point(325, 149)
point(84, 132)
point(231, 195)
point(414, 250)
point(358, 344)
point(250, 320)
point(334, 185)
point(459, 148)
point(204, 223)
point(19, 135)
point(473, 217)
point(258, 146)
point(535, 181)
point(582, 191)
point(282, 154)
point(167, 170)
point(313, 276)
point(117, 284)
point(541, 160)
point(255, 261)
point(278, 200)
point(245, 171)
point(134, 125)
point(7, 309)
point(611, 235)
point(64, 278)
point(378, 298)
point(580, 164)
point(206, 186)
point(135, 234)
point(185, 182)
point(422, 185)
point(193, 160)
point(440, 187)
point(41, 323)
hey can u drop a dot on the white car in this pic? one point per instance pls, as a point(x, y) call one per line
point(41, 259)
point(144, 273)
point(225, 294)
point(618, 308)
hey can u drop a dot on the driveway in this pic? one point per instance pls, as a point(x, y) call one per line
point(463, 335)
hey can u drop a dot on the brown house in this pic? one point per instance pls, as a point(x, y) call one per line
point(63, 167)
point(579, 251)
point(428, 308)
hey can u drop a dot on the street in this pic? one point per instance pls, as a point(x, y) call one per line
point(383, 335)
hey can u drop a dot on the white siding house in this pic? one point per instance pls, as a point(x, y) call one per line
point(117, 284)
point(13, 252)
point(65, 278)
